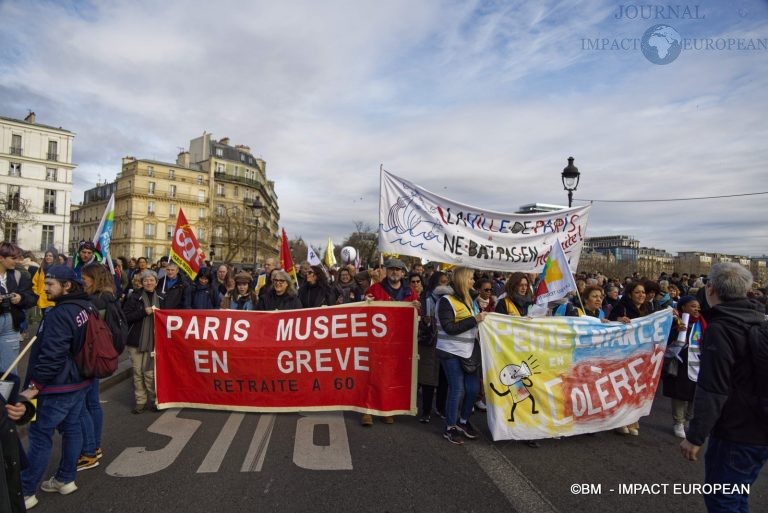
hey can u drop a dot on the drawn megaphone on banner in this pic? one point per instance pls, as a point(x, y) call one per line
point(522, 371)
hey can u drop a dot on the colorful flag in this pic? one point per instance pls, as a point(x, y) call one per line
point(312, 257)
point(556, 279)
point(330, 258)
point(185, 250)
point(103, 235)
point(286, 260)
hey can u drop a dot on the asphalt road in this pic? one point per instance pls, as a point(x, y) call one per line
point(183, 461)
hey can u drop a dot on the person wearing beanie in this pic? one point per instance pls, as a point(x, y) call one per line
point(243, 296)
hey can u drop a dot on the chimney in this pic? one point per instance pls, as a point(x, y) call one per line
point(128, 159)
point(224, 141)
point(243, 148)
point(184, 159)
point(30, 117)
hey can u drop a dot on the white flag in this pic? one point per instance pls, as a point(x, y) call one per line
point(312, 257)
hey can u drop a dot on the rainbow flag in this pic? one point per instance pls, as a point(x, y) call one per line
point(103, 235)
point(556, 279)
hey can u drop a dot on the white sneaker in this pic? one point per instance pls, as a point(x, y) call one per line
point(480, 405)
point(54, 485)
point(30, 501)
point(679, 430)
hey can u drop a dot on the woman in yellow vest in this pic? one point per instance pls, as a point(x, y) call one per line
point(457, 340)
point(517, 296)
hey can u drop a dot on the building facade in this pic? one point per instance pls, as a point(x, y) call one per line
point(36, 188)
point(216, 192)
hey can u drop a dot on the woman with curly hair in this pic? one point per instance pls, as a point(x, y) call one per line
point(281, 294)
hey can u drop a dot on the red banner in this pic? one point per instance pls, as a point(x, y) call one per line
point(185, 250)
point(358, 358)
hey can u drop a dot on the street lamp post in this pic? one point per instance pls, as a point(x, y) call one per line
point(570, 177)
point(256, 207)
point(213, 253)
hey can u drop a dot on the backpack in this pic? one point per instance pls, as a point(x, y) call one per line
point(757, 341)
point(98, 357)
point(118, 324)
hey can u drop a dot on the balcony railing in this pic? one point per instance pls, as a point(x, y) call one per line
point(236, 179)
point(138, 191)
point(15, 150)
point(54, 157)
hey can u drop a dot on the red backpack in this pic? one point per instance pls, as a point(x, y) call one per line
point(98, 357)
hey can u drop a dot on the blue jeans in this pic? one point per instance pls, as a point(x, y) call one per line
point(462, 390)
point(9, 341)
point(92, 420)
point(731, 463)
point(54, 411)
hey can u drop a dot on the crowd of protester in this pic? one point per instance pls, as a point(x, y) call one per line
point(450, 302)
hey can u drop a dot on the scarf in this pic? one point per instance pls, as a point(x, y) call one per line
point(147, 337)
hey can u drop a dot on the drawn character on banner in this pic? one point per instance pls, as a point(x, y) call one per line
point(517, 380)
point(405, 216)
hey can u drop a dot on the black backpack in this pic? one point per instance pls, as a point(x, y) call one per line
point(118, 324)
point(758, 349)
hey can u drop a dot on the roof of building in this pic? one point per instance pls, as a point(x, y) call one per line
point(39, 125)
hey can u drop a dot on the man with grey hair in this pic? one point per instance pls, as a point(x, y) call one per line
point(727, 407)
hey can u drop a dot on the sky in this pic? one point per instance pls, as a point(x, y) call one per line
point(478, 101)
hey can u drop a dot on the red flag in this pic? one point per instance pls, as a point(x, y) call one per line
point(185, 250)
point(286, 260)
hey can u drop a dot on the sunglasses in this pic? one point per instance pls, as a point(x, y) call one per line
point(415, 281)
point(279, 281)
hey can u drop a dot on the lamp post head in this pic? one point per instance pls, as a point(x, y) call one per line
point(570, 176)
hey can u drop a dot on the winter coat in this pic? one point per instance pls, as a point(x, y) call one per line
point(313, 295)
point(725, 404)
point(203, 297)
point(60, 336)
point(270, 301)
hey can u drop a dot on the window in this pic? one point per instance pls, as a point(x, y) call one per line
point(14, 169)
point(11, 232)
point(53, 151)
point(15, 144)
point(50, 174)
point(47, 239)
point(172, 191)
point(150, 171)
point(149, 230)
point(201, 196)
point(13, 201)
point(172, 174)
point(219, 152)
point(150, 207)
point(201, 213)
point(169, 232)
point(220, 167)
point(218, 231)
point(172, 209)
point(149, 253)
point(242, 157)
point(125, 229)
point(49, 201)
point(200, 234)
point(237, 191)
point(152, 188)
point(219, 190)
point(200, 180)
point(220, 210)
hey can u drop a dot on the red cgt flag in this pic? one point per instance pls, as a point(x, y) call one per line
point(286, 260)
point(185, 250)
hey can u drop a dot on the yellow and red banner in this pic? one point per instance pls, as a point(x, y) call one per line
point(358, 358)
point(286, 259)
point(185, 250)
point(563, 376)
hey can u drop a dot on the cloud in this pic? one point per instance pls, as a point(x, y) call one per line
point(478, 101)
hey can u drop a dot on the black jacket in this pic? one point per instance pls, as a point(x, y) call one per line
point(271, 301)
point(23, 288)
point(725, 405)
point(626, 308)
point(313, 295)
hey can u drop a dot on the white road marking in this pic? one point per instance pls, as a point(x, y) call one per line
point(254, 459)
point(335, 455)
point(215, 456)
point(138, 461)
